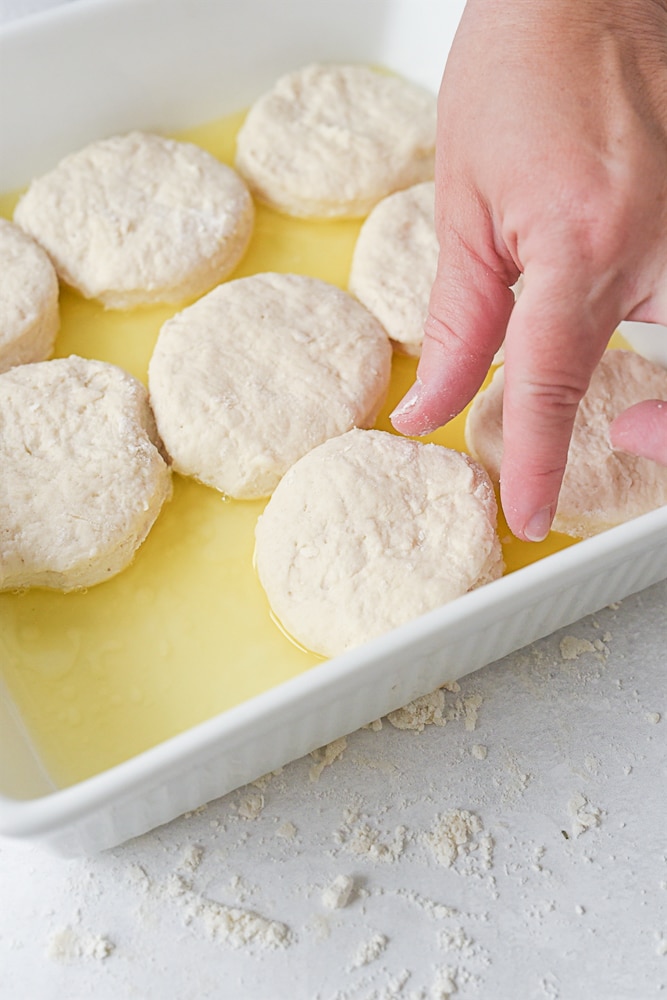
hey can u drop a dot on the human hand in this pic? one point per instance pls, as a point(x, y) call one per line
point(551, 162)
point(642, 430)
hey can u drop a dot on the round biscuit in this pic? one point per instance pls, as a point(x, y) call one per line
point(370, 530)
point(332, 140)
point(138, 218)
point(601, 487)
point(82, 477)
point(258, 372)
point(394, 264)
point(29, 315)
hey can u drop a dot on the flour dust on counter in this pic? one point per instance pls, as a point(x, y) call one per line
point(69, 945)
point(503, 814)
point(399, 863)
point(338, 893)
point(392, 855)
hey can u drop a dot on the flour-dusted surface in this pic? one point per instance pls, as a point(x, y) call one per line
point(601, 487)
point(370, 530)
point(333, 140)
point(29, 315)
point(82, 477)
point(259, 372)
point(394, 264)
point(533, 872)
point(139, 218)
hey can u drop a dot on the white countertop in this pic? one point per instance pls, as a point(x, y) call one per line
point(549, 770)
point(554, 761)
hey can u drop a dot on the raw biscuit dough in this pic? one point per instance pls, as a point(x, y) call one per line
point(370, 530)
point(29, 316)
point(601, 487)
point(82, 477)
point(258, 372)
point(394, 264)
point(138, 218)
point(332, 140)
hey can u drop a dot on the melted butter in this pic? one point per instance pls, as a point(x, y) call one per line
point(185, 632)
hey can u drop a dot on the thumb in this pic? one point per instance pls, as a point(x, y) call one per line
point(469, 308)
point(642, 430)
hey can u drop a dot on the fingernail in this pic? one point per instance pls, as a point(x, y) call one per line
point(409, 401)
point(539, 525)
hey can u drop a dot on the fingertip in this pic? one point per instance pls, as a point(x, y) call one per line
point(642, 430)
point(527, 523)
point(412, 415)
point(440, 389)
point(538, 525)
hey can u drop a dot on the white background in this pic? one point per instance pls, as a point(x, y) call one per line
point(556, 909)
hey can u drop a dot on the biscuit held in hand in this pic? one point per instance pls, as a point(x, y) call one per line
point(552, 161)
point(601, 487)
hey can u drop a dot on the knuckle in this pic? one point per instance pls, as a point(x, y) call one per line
point(597, 217)
point(554, 399)
point(444, 334)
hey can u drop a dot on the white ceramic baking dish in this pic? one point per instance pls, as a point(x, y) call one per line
point(92, 68)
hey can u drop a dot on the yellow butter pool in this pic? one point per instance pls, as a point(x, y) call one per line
point(185, 632)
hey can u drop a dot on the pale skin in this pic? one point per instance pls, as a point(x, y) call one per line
point(551, 163)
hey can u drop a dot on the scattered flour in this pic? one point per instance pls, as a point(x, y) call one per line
point(456, 840)
point(287, 831)
point(325, 756)
point(456, 940)
point(338, 893)
point(236, 927)
point(68, 945)
point(137, 876)
point(572, 647)
point(469, 709)
point(375, 725)
point(460, 835)
point(514, 780)
point(437, 911)
point(445, 984)
point(424, 711)
point(584, 815)
point(360, 838)
point(435, 710)
point(251, 805)
point(192, 857)
point(368, 951)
